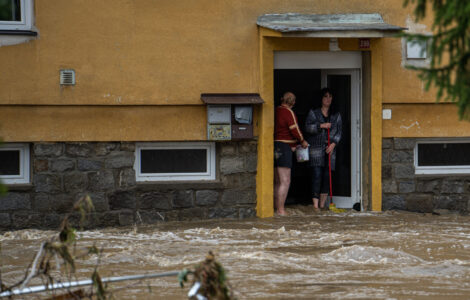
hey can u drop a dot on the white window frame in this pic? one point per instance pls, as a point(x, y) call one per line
point(439, 170)
point(26, 18)
point(24, 176)
point(208, 175)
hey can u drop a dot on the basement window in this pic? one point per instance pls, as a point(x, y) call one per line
point(14, 163)
point(175, 161)
point(16, 15)
point(442, 157)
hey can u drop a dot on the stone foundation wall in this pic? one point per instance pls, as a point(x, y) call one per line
point(404, 190)
point(63, 172)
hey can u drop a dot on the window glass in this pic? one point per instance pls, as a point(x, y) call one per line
point(9, 162)
point(174, 161)
point(10, 10)
point(444, 154)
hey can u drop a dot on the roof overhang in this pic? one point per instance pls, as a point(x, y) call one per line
point(329, 26)
point(231, 98)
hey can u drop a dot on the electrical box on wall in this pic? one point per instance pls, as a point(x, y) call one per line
point(230, 116)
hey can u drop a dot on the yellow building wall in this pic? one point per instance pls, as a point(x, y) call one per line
point(141, 66)
point(109, 123)
point(148, 52)
point(157, 52)
point(425, 120)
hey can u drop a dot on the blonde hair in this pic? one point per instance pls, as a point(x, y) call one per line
point(288, 98)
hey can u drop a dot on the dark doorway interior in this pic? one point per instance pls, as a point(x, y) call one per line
point(306, 85)
point(340, 86)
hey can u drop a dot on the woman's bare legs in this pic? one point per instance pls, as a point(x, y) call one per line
point(281, 188)
point(276, 187)
point(323, 200)
point(315, 202)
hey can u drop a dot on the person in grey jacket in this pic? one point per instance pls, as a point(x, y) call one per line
point(316, 126)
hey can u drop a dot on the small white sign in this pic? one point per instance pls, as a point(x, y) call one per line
point(387, 114)
point(334, 45)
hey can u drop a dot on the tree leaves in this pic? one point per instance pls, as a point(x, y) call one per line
point(449, 46)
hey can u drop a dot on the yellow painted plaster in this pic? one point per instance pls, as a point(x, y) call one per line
point(425, 120)
point(102, 123)
point(265, 175)
point(376, 123)
point(153, 52)
point(401, 85)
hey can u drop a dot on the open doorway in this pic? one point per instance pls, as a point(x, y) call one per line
point(306, 84)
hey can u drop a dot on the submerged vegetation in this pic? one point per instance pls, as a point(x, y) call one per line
point(55, 259)
point(54, 267)
point(209, 280)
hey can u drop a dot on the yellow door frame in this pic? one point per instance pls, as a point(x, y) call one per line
point(270, 41)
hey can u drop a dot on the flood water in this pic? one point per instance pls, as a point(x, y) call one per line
point(307, 255)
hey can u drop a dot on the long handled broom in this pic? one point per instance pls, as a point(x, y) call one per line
point(332, 206)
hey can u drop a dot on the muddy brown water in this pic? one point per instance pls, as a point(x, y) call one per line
point(391, 255)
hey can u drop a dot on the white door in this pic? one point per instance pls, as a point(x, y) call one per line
point(345, 86)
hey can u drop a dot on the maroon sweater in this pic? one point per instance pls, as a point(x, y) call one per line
point(287, 128)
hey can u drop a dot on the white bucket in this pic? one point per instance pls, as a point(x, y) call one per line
point(301, 154)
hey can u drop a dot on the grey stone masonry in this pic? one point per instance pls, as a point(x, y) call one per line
point(62, 173)
point(403, 189)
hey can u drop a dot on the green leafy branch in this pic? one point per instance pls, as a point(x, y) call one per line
point(449, 69)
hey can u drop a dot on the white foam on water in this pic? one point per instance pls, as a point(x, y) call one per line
point(30, 234)
point(369, 255)
point(445, 269)
point(293, 257)
point(274, 261)
point(166, 262)
point(157, 236)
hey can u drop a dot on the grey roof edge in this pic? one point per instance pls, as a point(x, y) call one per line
point(231, 98)
point(294, 22)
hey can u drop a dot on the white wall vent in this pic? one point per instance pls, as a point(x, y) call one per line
point(67, 77)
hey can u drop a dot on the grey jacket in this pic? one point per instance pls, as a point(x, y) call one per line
point(318, 137)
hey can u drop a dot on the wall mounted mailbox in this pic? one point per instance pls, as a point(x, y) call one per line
point(219, 114)
point(242, 122)
point(219, 119)
point(230, 116)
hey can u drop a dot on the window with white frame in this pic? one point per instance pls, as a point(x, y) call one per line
point(180, 161)
point(14, 163)
point(448, 156)
point(16, 14)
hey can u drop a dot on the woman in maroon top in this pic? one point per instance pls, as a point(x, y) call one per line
point(286, 137)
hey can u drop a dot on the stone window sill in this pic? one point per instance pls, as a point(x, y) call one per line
point(441, 176)
point(19, 187)
point(179, 185)
point(18, 32)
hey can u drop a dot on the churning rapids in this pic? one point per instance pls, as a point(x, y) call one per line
point(391, 255)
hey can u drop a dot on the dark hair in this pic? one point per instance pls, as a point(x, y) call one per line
point(323, 92)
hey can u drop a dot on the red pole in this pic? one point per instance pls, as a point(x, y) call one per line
point(329, 169)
